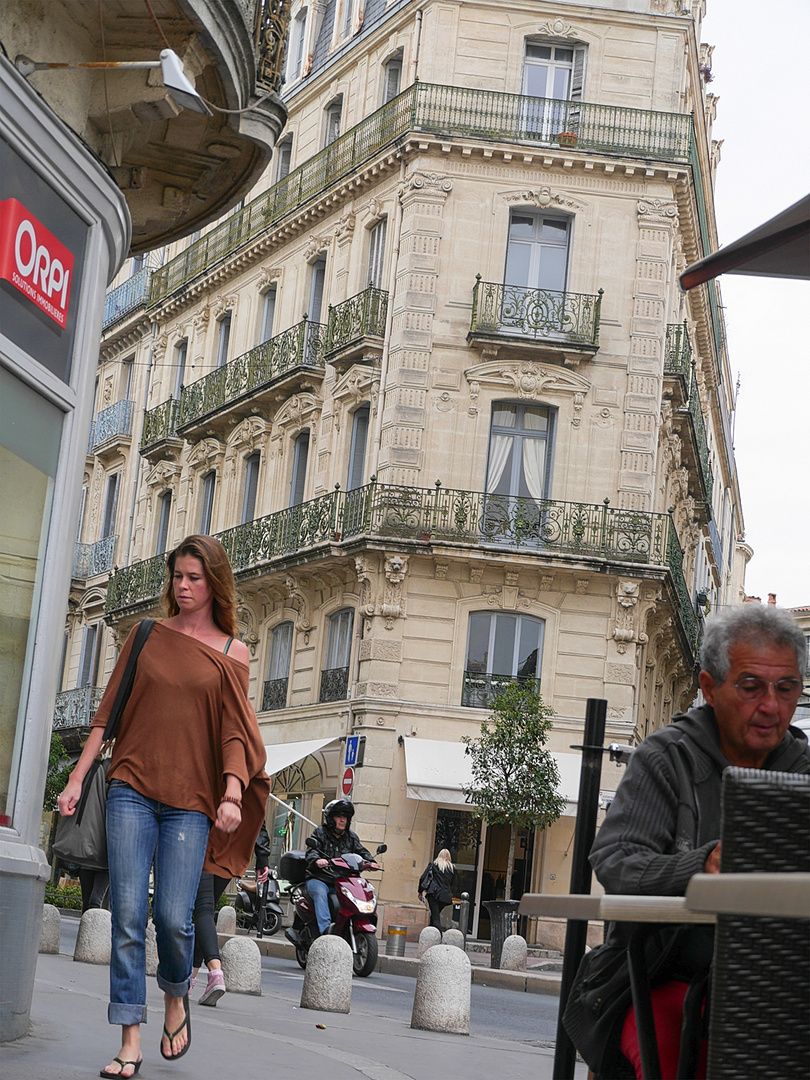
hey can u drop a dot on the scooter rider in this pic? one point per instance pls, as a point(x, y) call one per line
point(330, 840)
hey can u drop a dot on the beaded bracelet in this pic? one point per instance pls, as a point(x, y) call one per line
point(232, 799)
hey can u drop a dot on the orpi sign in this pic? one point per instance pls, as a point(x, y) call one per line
point(34, 261)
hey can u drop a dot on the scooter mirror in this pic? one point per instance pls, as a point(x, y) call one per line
point(381, 848)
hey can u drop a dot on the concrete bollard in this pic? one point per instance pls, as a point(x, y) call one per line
point(442, 998)
point(226, 920)
point(513, 955)
point(151, 949)
point(328, 976)
point(51, 929)
point(94, 940)
point(453, 937)
point(242, 966)
point(428, 937)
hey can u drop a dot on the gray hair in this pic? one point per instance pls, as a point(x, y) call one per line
point(750, 622)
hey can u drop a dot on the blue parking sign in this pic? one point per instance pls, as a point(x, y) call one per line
point(352, 743)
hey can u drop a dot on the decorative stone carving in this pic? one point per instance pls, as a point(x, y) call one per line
point(623, 674)
point(559, 28)
point(440, 571)
point(249, 435)
point(658, 212)
point(345, 228)
point(528, 380)
point(297, 600)
point(476, 573)
point(374, 207)
point(542, 197)
point(316, 245)
point(246, 621)
point(164, 475)
point(429, 183)
point(579, 401)
point(363, 570)
point(267, 276)
point(206, 454)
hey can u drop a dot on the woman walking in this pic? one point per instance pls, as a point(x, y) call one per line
point(437, 884)
point(188, 755)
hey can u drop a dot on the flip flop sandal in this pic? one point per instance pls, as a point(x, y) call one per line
point(123, 1064)
point(173, 1035)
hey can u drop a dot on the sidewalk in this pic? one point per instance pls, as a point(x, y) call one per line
point(250, 1036)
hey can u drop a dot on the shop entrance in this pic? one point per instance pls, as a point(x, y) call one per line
point(493, 870)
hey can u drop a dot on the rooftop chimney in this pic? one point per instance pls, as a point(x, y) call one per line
point(772, 598)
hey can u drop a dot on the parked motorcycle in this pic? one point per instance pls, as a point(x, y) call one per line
point(257, 906)
point(353, 907)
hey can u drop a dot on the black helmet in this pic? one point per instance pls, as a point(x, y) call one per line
point(338, 806)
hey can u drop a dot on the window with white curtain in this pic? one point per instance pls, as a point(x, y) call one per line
point(335, 673)
point(274, 695)
point(376, 254)
point(521, 437)
point(333, 116)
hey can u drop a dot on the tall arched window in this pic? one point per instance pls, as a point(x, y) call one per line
point(335, 673)
point(501, 648)
point(278, 667)
point(251, 486)
point(519, 469)
point(299, 470)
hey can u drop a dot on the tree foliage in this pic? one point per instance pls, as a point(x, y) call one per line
point(59, 768)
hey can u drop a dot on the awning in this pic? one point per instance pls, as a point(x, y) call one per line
point(779, 248)
point(436, 772)
point(282, 755)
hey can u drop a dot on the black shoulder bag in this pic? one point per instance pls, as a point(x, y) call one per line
point(82, 838)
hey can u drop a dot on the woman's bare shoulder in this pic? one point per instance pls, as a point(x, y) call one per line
point(239, 651)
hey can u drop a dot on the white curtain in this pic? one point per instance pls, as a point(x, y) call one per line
point(499, 447)
point(534, 461)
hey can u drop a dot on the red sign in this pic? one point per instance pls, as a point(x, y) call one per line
point(34, 261)
point(347, 783)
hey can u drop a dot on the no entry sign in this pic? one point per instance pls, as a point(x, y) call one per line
point(347, 783)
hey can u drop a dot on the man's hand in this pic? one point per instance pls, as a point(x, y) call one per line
point(263, 875)
point(322, 863)
point(712, 865)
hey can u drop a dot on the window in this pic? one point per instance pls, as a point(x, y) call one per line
point(138, 263)
point(392, 77)
point(163, 522)
point(90, 655)
point(207, 502)
point(298, 37)
point(180, 354)
point(376, 254)
point(278, 667)
point(537, 253)
point(348, 18)
point(268, 314)
point(501, 648)
point(283, 158)
point(553, 75)
point(127, 368)
point(333, 114)
point(357, 450)
point(518, 473)
point(224, 340)
point(335, 674)
point(299, 471)
point(110, 505)
point(316, 284)
point(251, 483)
point(82, 508)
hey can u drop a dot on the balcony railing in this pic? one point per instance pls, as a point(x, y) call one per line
point(272, 20)
point(362, 316)
point(696, 412)
point(678, 354)
point(76, 708)
point(334, 684)
point(132, 294)
point(274, 695)
point(480, 687)
point(302, 346)
point(92, 559)
point(159, 424)
point(136, 583)
point(440, 110)
point(543, 315)
point(114, 422)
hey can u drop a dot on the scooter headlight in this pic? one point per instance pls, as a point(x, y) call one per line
point(366, 906)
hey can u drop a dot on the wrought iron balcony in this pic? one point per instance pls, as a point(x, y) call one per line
point(356, 324)
point(702, 445)
point(159, 424)
point(563, 322)
point(678, 354)
point(480, 687)
point(76, 708)
point(92, 559)
point(274, 695)
point(446, 111)
point(136, 584)
point(114, 422)
point(334, 684)
point(127, 297)
point(297, 350)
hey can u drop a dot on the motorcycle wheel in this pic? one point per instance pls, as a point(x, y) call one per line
point(272, 923)
point(301, 957)
point(365, 959)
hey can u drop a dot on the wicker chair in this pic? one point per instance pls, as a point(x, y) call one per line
point(759, 1018)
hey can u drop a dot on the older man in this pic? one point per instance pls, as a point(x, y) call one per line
point(664, 824)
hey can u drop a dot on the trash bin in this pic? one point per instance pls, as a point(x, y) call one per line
point(395, 941)
point(502, 916)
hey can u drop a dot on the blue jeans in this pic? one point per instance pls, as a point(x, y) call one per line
point(319, 891)
point(140, 833)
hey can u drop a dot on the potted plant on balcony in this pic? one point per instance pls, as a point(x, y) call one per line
point(567, 138)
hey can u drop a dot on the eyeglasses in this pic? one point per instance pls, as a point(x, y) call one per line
point(754, 689)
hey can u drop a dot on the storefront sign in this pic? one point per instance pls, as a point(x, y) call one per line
point(34, 261)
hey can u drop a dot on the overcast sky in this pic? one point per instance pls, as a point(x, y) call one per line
point(762, 116)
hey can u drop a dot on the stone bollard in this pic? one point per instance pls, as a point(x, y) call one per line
point(94, 940)
point(453, 937)
point(226, 920)
point(513, 955)
point(151, 949)
point(51, 929)
point(242, 966)
point(442, 998)
point(429, 936)
point(328, 976)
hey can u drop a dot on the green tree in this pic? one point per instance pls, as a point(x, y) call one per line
point(59, 768)
point(514, 779)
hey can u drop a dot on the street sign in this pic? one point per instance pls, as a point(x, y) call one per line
point(352, 743)
point(347, 782)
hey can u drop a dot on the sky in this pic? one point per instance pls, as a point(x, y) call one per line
point(762, 118)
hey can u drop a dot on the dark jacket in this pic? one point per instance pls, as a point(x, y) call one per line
point(262, 849)
point(436, 882)
point(326, 844)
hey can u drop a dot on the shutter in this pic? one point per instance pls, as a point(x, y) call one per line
point(299, 469)
point(284, 159)
point(111, 505)
point(163, 527)
point(357, 452)
point(86, 658)
point(577, 87)
point(393, 76)
point(251, 483)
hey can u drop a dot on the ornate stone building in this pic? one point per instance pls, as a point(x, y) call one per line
point(435, 388)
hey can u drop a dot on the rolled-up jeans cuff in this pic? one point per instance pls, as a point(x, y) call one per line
point(174, 989)
point(119, 1013)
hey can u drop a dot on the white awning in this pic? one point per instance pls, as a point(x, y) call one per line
point(282, 755)
point(436, 771)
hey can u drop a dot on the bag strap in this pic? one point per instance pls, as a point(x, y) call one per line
point(127, 679)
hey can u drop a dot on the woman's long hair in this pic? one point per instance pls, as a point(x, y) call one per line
point(218, 574)
point(443, 861)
